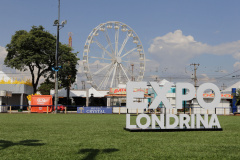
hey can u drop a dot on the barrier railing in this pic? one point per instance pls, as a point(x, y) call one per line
point(115, 109)
point(162, 110)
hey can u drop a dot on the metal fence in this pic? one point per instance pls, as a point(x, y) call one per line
point(115, 110)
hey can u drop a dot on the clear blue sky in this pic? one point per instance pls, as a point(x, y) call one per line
point(214, 25)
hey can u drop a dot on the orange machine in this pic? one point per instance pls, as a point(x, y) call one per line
point(40, 103)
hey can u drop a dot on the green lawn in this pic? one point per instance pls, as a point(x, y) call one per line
point(86, 136)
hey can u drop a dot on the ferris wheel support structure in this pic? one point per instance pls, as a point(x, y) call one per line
point(109, 51)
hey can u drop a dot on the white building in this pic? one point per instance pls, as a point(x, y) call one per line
point(19, 91)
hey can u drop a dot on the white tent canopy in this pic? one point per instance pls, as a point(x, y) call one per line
point(95, 93)
point(4, 77)
point(229, 89)
point(163, 82)
point(79, 93)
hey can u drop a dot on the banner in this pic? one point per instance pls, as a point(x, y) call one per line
point(41, 100)
point(94, 110)
point(123, 90)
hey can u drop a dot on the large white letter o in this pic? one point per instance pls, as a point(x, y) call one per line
point(216, 99)
point(138, 121)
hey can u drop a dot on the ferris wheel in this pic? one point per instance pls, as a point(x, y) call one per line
point(113, 54)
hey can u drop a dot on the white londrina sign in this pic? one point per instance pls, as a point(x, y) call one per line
point(183, 120)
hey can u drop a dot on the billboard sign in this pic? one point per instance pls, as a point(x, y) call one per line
point(41, 100)
point(124, 91)
point(183, 121)
point(94, 110)
point(39, 103)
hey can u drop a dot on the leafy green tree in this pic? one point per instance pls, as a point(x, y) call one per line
point(34, 51)
point(68, 72)
point(237, 96)
point(46, 86)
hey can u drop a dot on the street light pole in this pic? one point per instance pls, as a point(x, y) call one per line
point(56, 60)
point(56, 67)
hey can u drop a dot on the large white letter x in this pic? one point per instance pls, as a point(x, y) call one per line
point(161, 95)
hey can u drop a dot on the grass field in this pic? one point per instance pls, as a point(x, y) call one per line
point(86, 136)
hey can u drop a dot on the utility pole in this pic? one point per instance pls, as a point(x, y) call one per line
point(69, 76)
point(68, 88)
point(70, 39)
point(83, 85)
point(223, 86)
point(132, 72)
point(195, 73)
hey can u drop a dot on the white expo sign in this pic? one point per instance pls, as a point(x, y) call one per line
point(183, 120)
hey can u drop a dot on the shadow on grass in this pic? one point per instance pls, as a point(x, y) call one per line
point(5, 144)
point(92, 153)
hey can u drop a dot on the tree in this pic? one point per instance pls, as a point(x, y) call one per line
point(68, 72)
point(67, 76)
point(46, 86)
point(237, 96)
point(34, 51)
